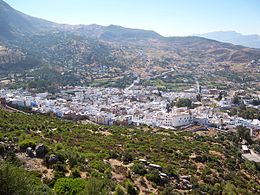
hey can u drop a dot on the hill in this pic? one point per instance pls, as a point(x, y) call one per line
point(14, 23)
point(70, 156)
point(235, 38)
point(100, 55)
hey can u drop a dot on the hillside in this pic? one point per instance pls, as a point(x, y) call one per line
point(56, 151)
point(99, 55)
point(14, 23)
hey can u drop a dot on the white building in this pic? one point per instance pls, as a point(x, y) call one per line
point(225, 103)
point(176, 118)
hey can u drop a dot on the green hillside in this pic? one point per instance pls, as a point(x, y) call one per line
point(211, 163)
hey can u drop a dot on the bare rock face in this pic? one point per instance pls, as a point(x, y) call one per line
point(40, 150)
point(29, 152)
point(53, 159)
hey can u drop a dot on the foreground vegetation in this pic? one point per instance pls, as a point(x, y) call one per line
point(92, 159)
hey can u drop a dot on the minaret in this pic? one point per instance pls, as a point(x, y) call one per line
point(198, 88)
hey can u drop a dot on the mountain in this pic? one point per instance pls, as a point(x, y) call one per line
point(113, 55)
point(235, 38)
point(14, 23)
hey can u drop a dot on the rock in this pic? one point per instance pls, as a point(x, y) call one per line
point(16, 139)
point(12, 147)
point(40, 150)
point(53, 159)
point(29, 152)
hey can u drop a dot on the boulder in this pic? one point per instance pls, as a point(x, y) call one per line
point(29, 152)
point(40, 150)
point(53, 159)
point(16, 139)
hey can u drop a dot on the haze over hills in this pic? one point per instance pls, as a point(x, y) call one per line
point(113, 55)
point(234, 38)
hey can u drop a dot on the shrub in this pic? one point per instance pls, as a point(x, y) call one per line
point(14, 180)
point(171, 170)
point(154, 176)
point(127, 157)
point(119, 190)
point(183, 102)
point(75, 173)
point(60, 167)
point(27, 143)
point(139, 169)
point(69, 186)
point(98, 165)
point(131, 189)
point(95, 186)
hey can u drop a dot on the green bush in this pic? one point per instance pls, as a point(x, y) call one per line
point(75, 173)
point(99, 165)
point(60, 167)
point(14, 180)
point(27, 143)
point(154, 176)
point(119, 190)
point(183, 102)
point(139, 169)
point(127, 157)
point(69, 186)
point(131, 189)
point(95, 187)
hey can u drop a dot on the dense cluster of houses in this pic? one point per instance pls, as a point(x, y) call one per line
point(137, 105)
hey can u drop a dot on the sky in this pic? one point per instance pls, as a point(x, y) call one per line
point(167, 17)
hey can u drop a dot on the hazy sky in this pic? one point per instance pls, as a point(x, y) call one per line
point(168, 17)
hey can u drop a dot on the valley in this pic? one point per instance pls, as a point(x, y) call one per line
point(109, 110)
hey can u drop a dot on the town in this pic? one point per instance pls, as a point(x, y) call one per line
point(139, 105)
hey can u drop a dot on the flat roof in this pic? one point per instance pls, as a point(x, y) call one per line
point(251, 157)
point(244, 147)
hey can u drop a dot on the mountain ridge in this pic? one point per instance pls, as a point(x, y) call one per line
point(252, 40)
point(95, 53)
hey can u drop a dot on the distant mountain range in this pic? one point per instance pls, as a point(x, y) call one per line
point(234, 38)
point(113, 55)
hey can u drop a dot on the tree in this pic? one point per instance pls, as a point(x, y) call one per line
point(198, 97)
point(75, 173)
point(219, 97)
point(131, 189)
point(236, 100)
point(256, 147)
point(229, 189)
point(154, 176)
point(139, 169)
point(171, 170)
point(168, 107)
point(119, 190)
point(14, 180)
point(244, 133)
point(183, 102)
point(127, 157)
